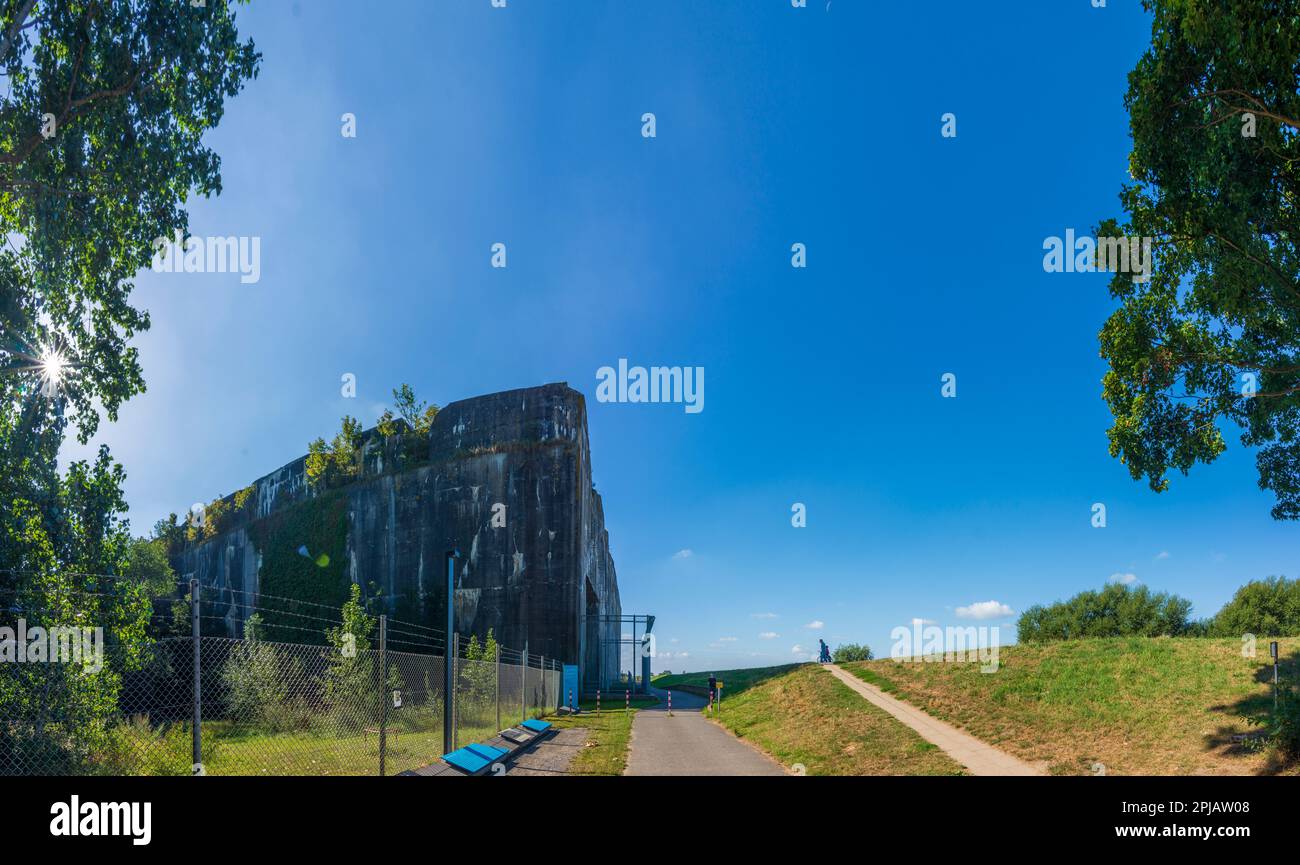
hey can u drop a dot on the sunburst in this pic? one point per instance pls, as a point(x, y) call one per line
point(53, 367)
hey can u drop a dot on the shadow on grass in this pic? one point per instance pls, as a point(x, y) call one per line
point(1227, 742)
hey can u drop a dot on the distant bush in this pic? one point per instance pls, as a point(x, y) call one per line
point(1269, 607)
point(852, 652)
point(1115, 611)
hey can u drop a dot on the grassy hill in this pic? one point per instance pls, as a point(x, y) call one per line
point(801, 714)
point(1165, 706)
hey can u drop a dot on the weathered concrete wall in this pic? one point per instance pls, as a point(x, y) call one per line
point(530, 581)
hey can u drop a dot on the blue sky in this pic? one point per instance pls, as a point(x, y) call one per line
point(775, 125)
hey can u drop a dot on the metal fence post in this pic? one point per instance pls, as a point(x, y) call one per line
point(448, 685)
point(196, 746)
point(455, 706)
point(383, 686)
point(497, 698)
point(523, 692)
point(545, 695)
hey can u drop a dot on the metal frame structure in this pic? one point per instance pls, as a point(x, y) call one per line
point(609, 674)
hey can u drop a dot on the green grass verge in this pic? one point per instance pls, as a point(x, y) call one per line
point(803, 715)
point(1124, 705)
point(608, 733)
point(734, 681)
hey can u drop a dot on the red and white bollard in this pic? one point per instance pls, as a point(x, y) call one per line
point(627, 701)
point(670, 703)
point(597, 701)
point(570, 701)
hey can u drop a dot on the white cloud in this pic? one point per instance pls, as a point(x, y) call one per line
point(815, 625)
point(1164, 554)
point(924, 622)
point(763, 615)
point(726, 639)
point(768, 635)
point(683, 554)
point(1123, 578)
point(797, 649)
point(985, 610)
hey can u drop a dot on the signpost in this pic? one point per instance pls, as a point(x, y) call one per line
point(1272, 650)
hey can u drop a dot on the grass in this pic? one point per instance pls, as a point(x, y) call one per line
point(414, 740)
point(734, 681)
point(802, 715)
point(1126, 705)
point(608, 733)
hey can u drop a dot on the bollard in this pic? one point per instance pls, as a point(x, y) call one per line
point(570, 701)
point(598, 701)
point(627, 701)
point(670, 704)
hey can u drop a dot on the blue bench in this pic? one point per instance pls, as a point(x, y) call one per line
point(488, 752)
point(536, 726)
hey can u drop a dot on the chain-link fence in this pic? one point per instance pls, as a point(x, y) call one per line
point(263, 707)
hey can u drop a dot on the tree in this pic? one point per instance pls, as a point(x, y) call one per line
point(1115, 611)
point(1269, 607)
point(102, 119)
point(337, 461)
point(416, 414)
point(1212, 340)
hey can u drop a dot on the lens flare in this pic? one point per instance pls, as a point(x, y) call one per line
point(53, 368)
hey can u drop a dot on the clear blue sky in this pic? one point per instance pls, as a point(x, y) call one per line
point(775, 125)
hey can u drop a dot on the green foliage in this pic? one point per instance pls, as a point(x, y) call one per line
point(1224, 301)
point(320, 525)
point(335, 463)
point(1269, 607)
point(256, 675)
point(136, 747)
point(852, 652)
point(216, 518)
point(1282, 727)
point(134, 89)
point(478, 672)
point(411, 416)
point(417, 414)
point(1115, 611)
point(244, 497)
point(351, 685)
point(147, 564)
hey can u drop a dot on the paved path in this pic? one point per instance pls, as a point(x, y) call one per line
point(687, 743)
point(979, 758)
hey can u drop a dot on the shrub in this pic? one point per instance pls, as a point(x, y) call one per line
point(257, 676)
point(1115, 611)
point(1269, 607)
point(852, 652)
point(1282, 728)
